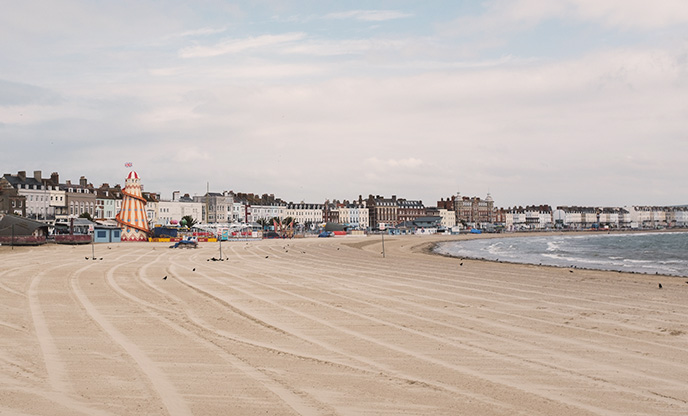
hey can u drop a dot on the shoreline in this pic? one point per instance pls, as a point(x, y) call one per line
point(431, 246)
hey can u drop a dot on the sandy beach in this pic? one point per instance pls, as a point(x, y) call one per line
point(330, 327)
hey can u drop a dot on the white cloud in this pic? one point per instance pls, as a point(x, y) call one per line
point(326, 47)
point(630, 14)
point(198, 32)
point(505, 16)
point(369, 15)
point(230, 46)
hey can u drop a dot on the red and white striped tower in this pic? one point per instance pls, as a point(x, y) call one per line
point(132, 216)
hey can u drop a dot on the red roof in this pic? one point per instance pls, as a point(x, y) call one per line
point(133, 175)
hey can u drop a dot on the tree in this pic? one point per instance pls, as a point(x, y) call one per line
point(86, 215)
point(189, 221)
point(264, 222)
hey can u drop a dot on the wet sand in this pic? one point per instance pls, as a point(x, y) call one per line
point(330, 327)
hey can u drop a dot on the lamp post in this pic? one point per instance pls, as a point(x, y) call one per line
point(382, 233)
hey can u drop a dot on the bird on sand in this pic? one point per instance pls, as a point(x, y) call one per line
point(86, 258)
point(266, 257)
point(164, 278)
point(660, 285)
point(194, 269)
point(461, 264)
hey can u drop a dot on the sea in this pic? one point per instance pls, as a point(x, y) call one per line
point(648, 252)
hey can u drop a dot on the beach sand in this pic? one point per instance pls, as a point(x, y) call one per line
point(330, 327)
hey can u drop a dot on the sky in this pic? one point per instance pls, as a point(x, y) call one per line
point(560, 102)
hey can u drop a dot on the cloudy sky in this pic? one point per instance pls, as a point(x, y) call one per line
point(535, 101)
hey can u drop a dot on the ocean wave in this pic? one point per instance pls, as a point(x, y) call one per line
point(623, 252)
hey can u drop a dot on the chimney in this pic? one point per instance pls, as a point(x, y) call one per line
point(21, 175)
point(394, 197)
point(37, 175)
point(55, 178)
point(83, 182)
point(175, 196)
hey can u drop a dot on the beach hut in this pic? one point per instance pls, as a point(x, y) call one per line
point(106, 234)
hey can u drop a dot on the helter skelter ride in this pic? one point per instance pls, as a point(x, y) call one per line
point(132, 217)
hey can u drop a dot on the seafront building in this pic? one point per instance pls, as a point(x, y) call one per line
point(409, 210)
point(36, 194)
point(81, 197)
point(470, 211)
point(383, 212)
point(256, 213)
point(308, 215)
point(532, 217)
point(107, 202)
point(217, 207)
point(170, 212)
point(355, 215)
point(448, 218)
point(48, 200)
point(11, 202)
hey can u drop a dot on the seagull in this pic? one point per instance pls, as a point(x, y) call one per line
point(86, 258)
point(164, 278)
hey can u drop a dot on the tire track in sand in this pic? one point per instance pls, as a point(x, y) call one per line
point(204, 336)
point(376, 366)
point(170, 397)
point(542, 365)
point(54, 365)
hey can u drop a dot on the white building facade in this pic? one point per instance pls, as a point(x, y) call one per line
point(355, 215)
point(306, 214)
point(171, 212)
